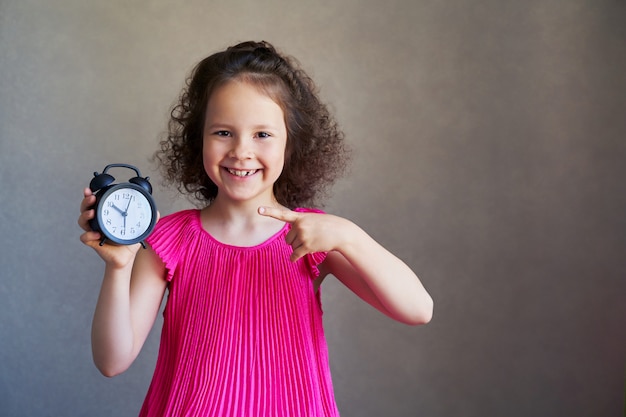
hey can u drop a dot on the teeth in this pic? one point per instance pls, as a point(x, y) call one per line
point(241, 173)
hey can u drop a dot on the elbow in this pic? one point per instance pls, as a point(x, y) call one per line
point(422, 313)
point(110, 362)
point(110, 371)
point(109, 368)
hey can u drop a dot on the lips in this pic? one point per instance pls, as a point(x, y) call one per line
point(242, 172)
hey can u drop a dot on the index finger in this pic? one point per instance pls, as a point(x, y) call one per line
point(88, 200)
point(287, 216)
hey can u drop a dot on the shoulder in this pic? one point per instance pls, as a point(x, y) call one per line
point(178, 218)
point(169, 239)
point(171, 225)
point(183, 214)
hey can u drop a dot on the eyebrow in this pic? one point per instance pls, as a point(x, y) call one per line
point(227, 126)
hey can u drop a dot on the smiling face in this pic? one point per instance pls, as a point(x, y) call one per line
point(244, 143)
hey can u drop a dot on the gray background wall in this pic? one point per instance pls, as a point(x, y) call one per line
point(490, 145)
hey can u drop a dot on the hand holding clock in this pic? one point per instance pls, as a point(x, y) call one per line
point(117, 256)
point(114, 254)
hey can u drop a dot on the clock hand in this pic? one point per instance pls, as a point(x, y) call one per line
point(130, 199)
point(128, 205)
point(123, 213)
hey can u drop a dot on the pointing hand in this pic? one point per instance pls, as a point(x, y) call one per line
point(310, 232)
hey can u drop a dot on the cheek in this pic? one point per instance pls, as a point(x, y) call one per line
point(281, 156)
point(205, 155)
point(286, 154)
point(208, 159)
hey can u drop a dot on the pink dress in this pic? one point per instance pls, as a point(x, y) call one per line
point(242, 332)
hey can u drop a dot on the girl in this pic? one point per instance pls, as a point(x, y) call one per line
point(242, 332)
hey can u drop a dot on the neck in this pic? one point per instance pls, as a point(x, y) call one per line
point(239, 224)
point(237, 212)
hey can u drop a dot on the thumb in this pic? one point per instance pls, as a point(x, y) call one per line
point(284, 215)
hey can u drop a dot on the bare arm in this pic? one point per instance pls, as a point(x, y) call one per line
point(127, 307)
point(130, 296)
point(359, 262)
point(381, 279)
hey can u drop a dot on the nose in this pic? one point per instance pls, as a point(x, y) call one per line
point(241, 149)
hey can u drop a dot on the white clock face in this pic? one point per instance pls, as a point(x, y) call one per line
point(125, 214)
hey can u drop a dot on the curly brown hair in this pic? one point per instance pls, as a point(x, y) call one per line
point(315, 155)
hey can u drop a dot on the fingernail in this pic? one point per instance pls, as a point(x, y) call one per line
point(261, 210)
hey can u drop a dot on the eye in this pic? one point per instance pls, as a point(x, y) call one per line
point(223, 133)
point(263, 135)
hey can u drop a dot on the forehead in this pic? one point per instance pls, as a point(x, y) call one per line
point(244, 101)
point(268, 84)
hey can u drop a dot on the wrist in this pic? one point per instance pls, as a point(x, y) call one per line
point(117, 269)
point(352, 236)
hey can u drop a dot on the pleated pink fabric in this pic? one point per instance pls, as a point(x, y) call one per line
point(242, 332)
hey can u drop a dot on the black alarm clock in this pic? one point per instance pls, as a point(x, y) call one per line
point(125, 213)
